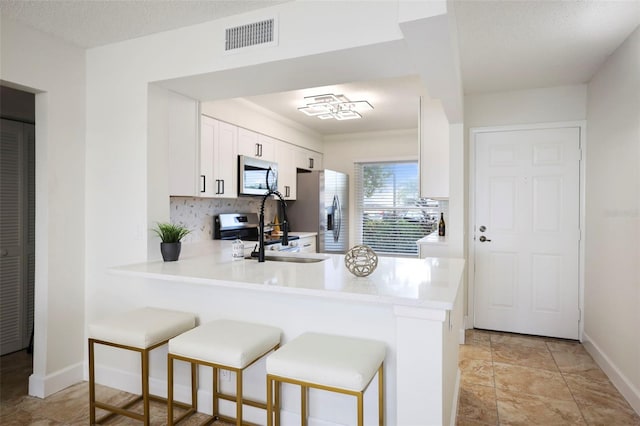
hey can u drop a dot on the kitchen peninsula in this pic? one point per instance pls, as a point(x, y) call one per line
point(413, 305)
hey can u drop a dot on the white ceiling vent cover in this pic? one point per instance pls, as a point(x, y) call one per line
point(263, 32)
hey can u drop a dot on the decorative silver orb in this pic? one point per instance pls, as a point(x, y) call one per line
point(361, 260)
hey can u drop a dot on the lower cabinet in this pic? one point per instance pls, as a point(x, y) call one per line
point(307, 244)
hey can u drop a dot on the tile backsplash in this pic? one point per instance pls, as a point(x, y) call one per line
point(197, 213)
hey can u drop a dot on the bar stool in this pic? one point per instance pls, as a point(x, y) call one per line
point(333, 363)
point(140, 330)
point(222, 344)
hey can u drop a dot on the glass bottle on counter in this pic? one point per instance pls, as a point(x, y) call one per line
point(237, 249)
point(441, 225)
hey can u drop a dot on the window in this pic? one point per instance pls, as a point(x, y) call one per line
point(391, 216)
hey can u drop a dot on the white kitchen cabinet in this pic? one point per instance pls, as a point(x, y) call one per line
point(307, 244)
point(218, 165)
point(308, 160)
point(433, 246)
point(182, 119)
point(256, 145)
point(434, 150)
point(287, 174)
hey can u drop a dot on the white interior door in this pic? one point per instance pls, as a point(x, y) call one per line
point(526, 233)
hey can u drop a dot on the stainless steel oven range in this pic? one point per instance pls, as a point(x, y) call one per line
point(229, 226)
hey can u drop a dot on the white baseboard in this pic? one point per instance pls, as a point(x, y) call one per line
point(456, 396)
point(43, 386)
point(468, 324)
point(619, 380)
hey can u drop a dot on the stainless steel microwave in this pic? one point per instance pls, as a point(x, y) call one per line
point(255, 176)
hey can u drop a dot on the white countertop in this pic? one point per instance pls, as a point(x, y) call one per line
point(433, 238)
point(428, 283)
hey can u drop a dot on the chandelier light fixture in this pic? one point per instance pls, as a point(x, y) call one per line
point(334, 106)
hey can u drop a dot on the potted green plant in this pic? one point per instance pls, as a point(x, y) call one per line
point(170, 234)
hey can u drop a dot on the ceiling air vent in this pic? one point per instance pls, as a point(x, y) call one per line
point(250, 34)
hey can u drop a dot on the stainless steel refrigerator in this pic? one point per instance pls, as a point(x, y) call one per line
point(322, 206)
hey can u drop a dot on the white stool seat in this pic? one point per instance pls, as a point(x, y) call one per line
point(226, 342)
point(142, 328)
point(337, 361)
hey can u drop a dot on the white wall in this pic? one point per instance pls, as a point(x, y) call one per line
point(612, 287)
point(342, 151)
point(55, 71)
point(551, 104)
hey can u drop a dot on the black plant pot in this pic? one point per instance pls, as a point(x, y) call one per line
point(170, 251)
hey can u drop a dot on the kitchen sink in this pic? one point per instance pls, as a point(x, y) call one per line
point(291, 259)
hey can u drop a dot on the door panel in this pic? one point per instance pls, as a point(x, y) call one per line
point(504, 272)
point(527, 200)
point(11, 260)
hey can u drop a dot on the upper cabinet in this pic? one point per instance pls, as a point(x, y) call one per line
point(434, 150)
point(308, 160)
point(287, 174)
point(204, 154)
point(256, 145)
point(218, 159)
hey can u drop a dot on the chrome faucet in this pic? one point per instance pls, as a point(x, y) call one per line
point(284, 225)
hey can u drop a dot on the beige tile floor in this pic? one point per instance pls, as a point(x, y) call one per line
point(69, 407)
point(506, 380)
point(510, 379)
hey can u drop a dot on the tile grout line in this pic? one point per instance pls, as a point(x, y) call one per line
point(566, 383)
point(493, 374)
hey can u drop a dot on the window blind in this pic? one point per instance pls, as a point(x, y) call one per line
point(390, 214)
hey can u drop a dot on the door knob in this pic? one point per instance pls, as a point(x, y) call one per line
point(483, 239)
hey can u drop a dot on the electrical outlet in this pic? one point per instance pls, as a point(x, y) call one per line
point(225, 375)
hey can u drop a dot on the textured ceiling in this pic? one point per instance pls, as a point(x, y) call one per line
point(504, 45)
point(507, 45)
point(395, 101)
point(91, 23)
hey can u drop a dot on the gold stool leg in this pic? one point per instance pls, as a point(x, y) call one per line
point(303, 405)
point(215, 411)
point(145, 385)
point(360, 409)
point(269, 401)
point(194, 386)
point(277, 402)
point(92, 385)
point(169, 390)
point(239, 397)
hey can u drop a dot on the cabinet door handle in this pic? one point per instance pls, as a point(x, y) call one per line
point(257, 150)
point(222, 192)
point(217, 186)
point(203, 185)
point(311, 163)
point(286, 191)
point(260, 150)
